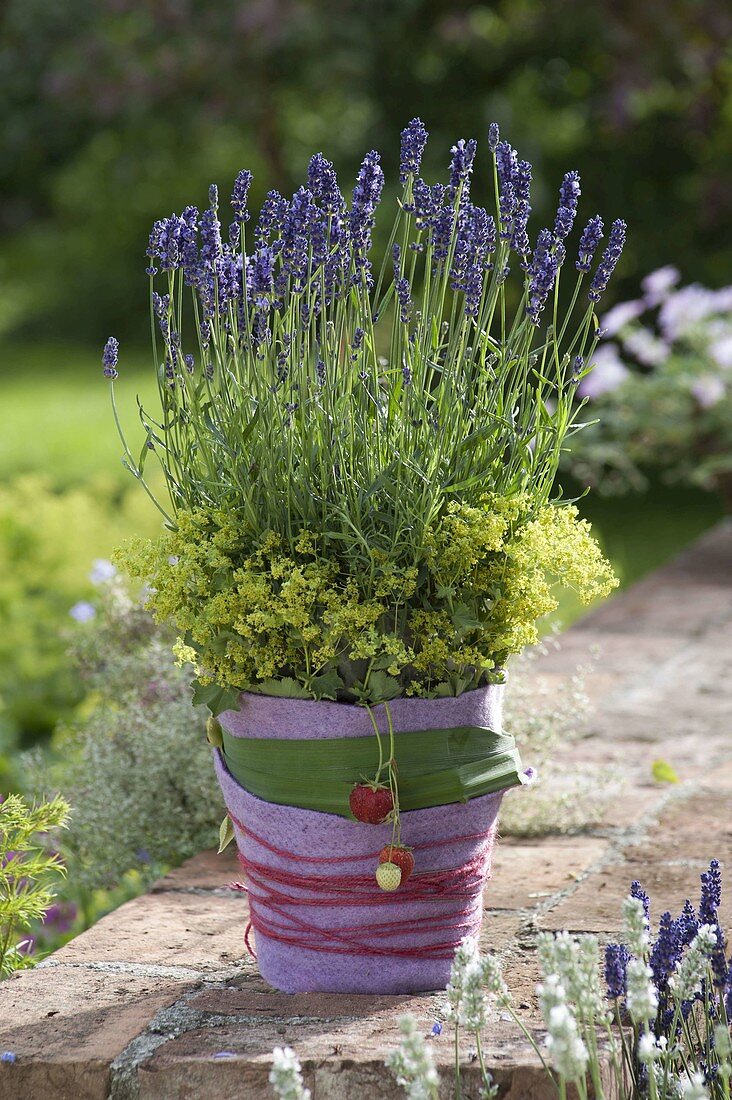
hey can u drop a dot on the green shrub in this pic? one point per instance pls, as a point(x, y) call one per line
point(47, 540)
point(136, 766)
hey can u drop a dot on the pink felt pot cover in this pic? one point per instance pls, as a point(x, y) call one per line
point(321, 922)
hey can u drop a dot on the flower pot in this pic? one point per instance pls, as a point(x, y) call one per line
point(320, 920)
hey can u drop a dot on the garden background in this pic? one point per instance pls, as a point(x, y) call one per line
point(115, 113)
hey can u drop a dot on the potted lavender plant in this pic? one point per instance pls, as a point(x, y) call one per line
point(360, 460)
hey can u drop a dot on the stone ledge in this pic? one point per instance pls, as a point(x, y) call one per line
point(160, 1002)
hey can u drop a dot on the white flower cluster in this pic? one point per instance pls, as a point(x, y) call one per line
point(641, 998)
point(693, 1087)
point(635, 926)
point(413, 1063)
point(285, 1076)
point(687, 978)
point(576, 962)
point(475, 985)
point(567, 1052)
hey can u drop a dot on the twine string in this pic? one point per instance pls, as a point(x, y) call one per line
point(280, 899)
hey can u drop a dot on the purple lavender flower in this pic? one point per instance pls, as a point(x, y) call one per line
point(213, 196)
point(297, 230)
point(189, 363)
point(687, 924)
point(442, 230)
point(522, 190)
point(637, 891)
point(414, 139)
point(494, 136)
point(591, 237)
point(211, 246)
point(476, 236)
point(240, 194)
point(609, 260)
point(110, 358)
point(427, 202)
point(260, 273)
point(188, 243)
point(542, 274)
point(617, 958)
point(401, 287)
point(271, 218)
point(506, 163)
point(461, 165)
point(366, 197)
point(569, 194)
point(160, 303)
point(323, 184)
point(711, 894)
point(666, 950)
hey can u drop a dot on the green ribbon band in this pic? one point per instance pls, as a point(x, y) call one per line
point(436, 767)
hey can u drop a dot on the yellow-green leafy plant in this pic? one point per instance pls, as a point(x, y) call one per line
point(29, 869)
point(361, 458)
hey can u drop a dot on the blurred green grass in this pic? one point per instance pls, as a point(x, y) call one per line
point(56, 416)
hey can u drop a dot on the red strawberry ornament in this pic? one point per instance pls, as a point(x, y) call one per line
point(402, 857)
point(371, 802)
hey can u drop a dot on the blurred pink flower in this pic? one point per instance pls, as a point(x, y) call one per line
point(708, 390)
point(658, 284)
point(619, 316)
point(608, 371)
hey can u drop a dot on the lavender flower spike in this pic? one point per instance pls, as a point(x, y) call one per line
point(569, 193)
point(240, 195)
point(591, 237)
point(542, 272)
point(609, 260)
point(494, 136)
point(110, 358)
point(461, 165)
point(414, 139)
point(711, 894)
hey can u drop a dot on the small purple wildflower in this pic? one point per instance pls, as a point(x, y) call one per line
point(609, 260)
point(240, 195)
point(414, 139)
point(189, 363)
point(436, 1028)
point(569, 194)
point(110, 358)
point(617, 958)
point(494, 136)
point(213, 196)
point(8, 1057)
point(83, 611)
point(591, 237)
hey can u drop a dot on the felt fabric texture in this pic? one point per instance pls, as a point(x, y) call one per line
point(293, 968)
point(268, 716)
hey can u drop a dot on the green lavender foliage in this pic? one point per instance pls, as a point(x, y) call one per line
point(29, 871)
point(136, 766)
